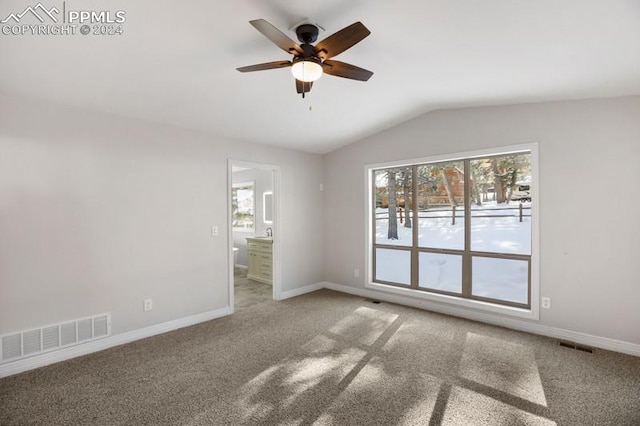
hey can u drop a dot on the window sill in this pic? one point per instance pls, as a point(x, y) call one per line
point(531, 314)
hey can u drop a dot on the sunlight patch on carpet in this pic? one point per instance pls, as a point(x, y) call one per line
point(373, 394)
point(466, 407)
point(506, 366)
point(364, 325)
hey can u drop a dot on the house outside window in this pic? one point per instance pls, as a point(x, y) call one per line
point(458, 228)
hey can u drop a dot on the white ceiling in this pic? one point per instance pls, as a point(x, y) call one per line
point(176, 62)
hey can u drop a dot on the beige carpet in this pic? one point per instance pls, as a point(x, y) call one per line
point(331, 359)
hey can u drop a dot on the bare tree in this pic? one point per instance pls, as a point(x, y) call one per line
point(482, 176)
point(406, 183)
point(477, 199)
point(501, 191)
point(475, 191)
point(447, 187)
point(392, 233)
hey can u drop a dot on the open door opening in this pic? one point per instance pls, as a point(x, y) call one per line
point(253, 233)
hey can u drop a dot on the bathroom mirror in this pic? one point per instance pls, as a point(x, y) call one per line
point(267, 207)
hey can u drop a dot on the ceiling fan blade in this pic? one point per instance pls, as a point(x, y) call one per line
point(342, 40)
point(303, 86)
point(342, 69)
point(265, 66)
point(276, 36)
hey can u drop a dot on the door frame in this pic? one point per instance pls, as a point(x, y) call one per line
point(275, 175)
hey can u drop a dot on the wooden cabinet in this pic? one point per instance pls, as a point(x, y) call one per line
point(260, 260)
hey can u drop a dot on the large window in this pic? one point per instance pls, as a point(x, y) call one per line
point(243, 206)
point(460, 227)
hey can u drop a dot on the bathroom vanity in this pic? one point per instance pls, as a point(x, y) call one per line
point(260, 259)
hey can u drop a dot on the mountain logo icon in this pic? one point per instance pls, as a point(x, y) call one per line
point(39, 11)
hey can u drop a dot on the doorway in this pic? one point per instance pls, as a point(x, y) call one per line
point(254, 242)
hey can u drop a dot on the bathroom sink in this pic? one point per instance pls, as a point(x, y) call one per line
point(264, 238)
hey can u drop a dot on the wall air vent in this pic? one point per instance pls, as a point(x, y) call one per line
point(23, 344)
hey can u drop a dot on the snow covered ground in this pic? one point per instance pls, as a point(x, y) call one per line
point(504, 279)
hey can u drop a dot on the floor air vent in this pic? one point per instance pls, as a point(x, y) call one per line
point(576, 346)
point(23, 344)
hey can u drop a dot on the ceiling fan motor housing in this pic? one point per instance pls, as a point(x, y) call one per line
point(308, 51)
point(307, 33)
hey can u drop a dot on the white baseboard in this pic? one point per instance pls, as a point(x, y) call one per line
point(302, 290)
point(64, 354)
point(515, 324)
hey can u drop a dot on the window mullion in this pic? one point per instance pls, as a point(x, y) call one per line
point(414, 227)
point(466, 257)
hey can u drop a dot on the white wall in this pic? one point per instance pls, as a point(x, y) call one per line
point(589, 200)
point(99, 212)
point(263, 180)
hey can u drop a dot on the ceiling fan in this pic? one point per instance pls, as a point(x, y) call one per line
point(310, 62)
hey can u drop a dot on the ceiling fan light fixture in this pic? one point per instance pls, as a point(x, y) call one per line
point(307, 70)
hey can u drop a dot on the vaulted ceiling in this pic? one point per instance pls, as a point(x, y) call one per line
point(175, 62)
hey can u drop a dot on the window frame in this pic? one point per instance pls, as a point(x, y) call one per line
point(441, 296)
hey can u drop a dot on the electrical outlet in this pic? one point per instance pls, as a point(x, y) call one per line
point(546, 303)
point(214, 231)
point(148, 305)
point(356, 273)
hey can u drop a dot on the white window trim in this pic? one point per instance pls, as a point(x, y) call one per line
point(534, 312)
